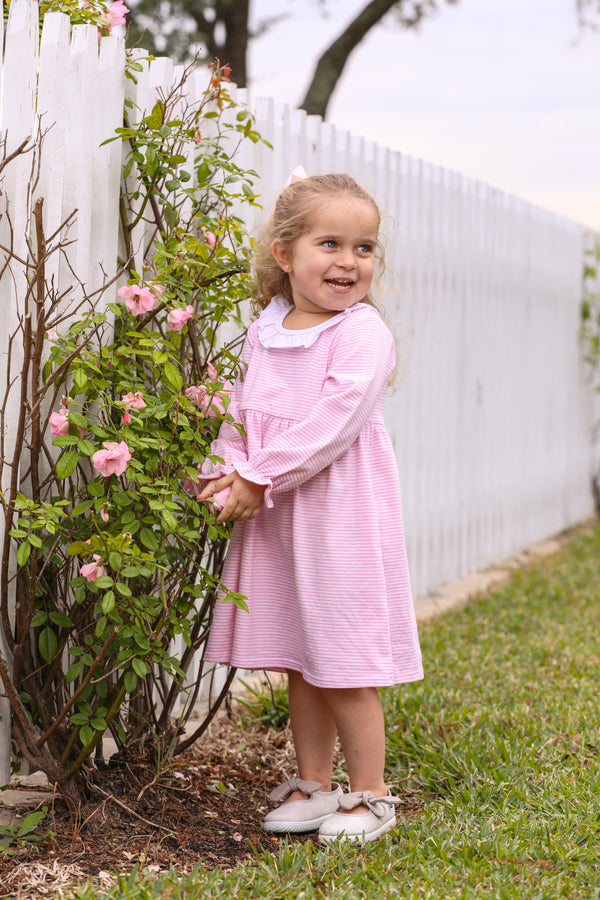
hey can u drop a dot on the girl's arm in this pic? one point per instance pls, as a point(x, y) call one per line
point(362, 360)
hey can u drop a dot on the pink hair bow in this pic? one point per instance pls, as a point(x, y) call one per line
point(299, 174)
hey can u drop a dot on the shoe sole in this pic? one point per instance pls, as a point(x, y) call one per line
point(362, 837)
point(294, 827)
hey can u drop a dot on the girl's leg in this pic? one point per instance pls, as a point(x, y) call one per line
point(358, 715)
point(314, 732)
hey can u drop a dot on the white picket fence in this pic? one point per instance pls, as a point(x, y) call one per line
point(490, 416)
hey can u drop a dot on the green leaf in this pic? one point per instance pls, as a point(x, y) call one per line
point(148, 539)
point(142, 641)
point(98, 724)
point(31, 821)
point(82, 507)
point(130, 681)
point(108, 602)
point(60, 619)
point(123, 590)
point(80, 380)
point(79, 718)
point(77, 419)
point(105, 581)
point(140, 667)
point(78, 547)
point(96, 489)
point(156, 117)
point(47, 644)
point(39, 617)
point(131, 572)
point(86, 447)
point(73, 672)
point(35, 540)
point(169, 520)
point(23, 553)
point(67, 464)
point(86, 735)
point(173, 375)
point(114, 560)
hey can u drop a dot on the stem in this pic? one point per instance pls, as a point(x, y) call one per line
point(40, 279)
point(14, 485)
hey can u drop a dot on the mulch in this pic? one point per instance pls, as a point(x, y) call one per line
point(206, 808)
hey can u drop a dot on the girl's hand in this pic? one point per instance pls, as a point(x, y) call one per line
point(244, 502)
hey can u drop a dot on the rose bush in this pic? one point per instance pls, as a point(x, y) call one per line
point(118, 563)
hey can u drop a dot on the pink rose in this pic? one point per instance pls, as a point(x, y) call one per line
point(210, 237)
point(116, 13)
point(178, 317)
point(219, 499)
point(133, 401)
point(126, 417)
point(138, 299)
point(196, 393)
point(92, 570)
point(113, 459)
point(52, 335)
point(104, 512)
point(210, 401)
point(59, 422)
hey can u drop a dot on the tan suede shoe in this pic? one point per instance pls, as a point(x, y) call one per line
point(361, 827)
point(299, 816)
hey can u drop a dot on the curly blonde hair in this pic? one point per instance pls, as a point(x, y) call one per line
point(293, 216)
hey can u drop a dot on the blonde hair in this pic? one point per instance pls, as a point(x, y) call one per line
point(293, 216)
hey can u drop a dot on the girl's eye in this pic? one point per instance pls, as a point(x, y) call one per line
point(365, 248)
point(329, 243)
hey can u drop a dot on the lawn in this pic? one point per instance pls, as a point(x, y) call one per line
point(499, 744)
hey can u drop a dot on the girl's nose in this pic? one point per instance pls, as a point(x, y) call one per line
point(346, 258)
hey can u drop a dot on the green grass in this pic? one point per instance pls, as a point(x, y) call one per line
point(501, 743)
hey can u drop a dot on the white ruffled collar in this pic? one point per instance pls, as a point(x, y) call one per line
point(272, 333)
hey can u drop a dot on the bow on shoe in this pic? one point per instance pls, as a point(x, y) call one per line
point(283, 791)
point(365, 798)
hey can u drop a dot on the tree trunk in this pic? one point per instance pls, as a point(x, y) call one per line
point(234, 15)
point(331, 64)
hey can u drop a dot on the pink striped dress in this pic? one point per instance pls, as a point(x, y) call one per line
point(323, 566)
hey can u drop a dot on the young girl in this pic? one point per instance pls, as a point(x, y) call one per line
point(318, 545)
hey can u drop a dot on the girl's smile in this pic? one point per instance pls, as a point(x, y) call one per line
point(331, 266)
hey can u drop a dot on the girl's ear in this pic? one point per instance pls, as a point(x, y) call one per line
point(281, 255)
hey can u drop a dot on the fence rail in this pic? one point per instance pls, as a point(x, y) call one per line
point(490, 416)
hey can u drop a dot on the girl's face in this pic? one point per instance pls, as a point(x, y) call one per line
point(331, 266)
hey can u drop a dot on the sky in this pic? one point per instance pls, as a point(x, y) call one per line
point(504, 91)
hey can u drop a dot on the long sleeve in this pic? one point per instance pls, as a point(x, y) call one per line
point(361, 357)
point(230, 445)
